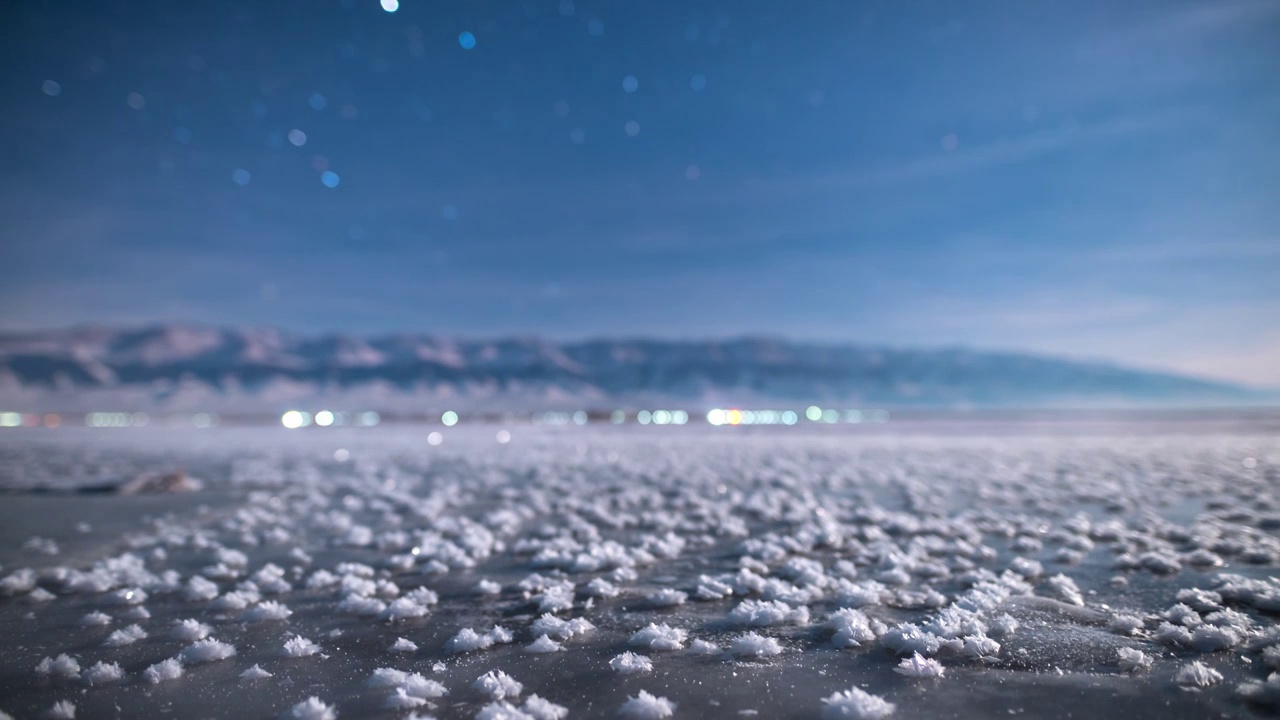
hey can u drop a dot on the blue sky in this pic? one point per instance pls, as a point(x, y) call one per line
point(1091, 179)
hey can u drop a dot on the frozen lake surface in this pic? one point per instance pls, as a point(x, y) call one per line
point(643, 572)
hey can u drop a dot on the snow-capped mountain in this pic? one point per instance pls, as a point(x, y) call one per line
point(180, 367)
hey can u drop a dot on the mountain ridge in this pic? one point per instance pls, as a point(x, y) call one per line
point(181, 366)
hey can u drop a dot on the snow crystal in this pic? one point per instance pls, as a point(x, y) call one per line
point(298, 646)
point(1209, 638)
point(96, 618)
point(402, 645)
point(255, 673)
point(1132, 660)
point(659, 637)
point(386, 677)
point(857, 704)
point(629, 663)
point(401, 700)
point(1265, 693)
point(647, 707)
point(543, 644)
point(488, 587)
point(189, 630)
point(207, 650)
point(918, 666)
point(1198, 675)
point(170, 669)
point(62, 710)
point(419, 686)
point(702, 647)
point(497, 685)
point(1124, 624)
point(764, 613)
point(468, 640)
point(125, 636)
point(667, 597)
point(266, 611)
point(404, 609)
point(852, 628)
point(199, 589)
point(63, 666)
point(755, 645)
point(103, 672)
point(543, 709)
point(1065, 589)
point(601, 588)
point(560, 629)
point(312, 709)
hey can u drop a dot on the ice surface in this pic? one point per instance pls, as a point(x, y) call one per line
point(730, 573)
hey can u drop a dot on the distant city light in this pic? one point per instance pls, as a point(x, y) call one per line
point(789, 417)
point(813, 412)
point(434, 438)
point(52, 420)
point(369, 419)
point(580, 417)
point(324, 418)
point(853, 416)
point(291, 419)
point(391, 5)
point(715, 416)
point(204, 420)
point(830, 416)
point(643, 417)
point(679, 417)
point(466, 40)
point(10, 419)
point(341, 454)
point(618, 417)
point(504, 437)
point(733, 417)
point(449, 418)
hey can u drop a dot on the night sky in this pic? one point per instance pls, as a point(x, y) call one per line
point(1087, 177)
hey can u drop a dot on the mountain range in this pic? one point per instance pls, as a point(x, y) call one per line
point(191, 367)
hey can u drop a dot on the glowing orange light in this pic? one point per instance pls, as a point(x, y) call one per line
point(52, 420)
point(733, 417)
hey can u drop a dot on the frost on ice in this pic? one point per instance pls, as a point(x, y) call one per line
point(313, 708)
point(170, 669)
point(497, 685)
point(856, 704)
point(207, 650)
point(629, 663)
point(645, 706)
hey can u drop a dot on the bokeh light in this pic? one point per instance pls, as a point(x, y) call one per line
point(330, 179)
point(297, 138)
point(630, 84)
point(391, 5)
point(632, 128)
point(51, 88)
point(466, 40)
point(240, 176)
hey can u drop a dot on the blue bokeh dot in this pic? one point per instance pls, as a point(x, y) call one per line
point(330, 179)
point(698, 83)
point(630, 83)
point(240, 176)
point(466, 40)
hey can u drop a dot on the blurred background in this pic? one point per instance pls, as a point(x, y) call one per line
point(559, 205)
